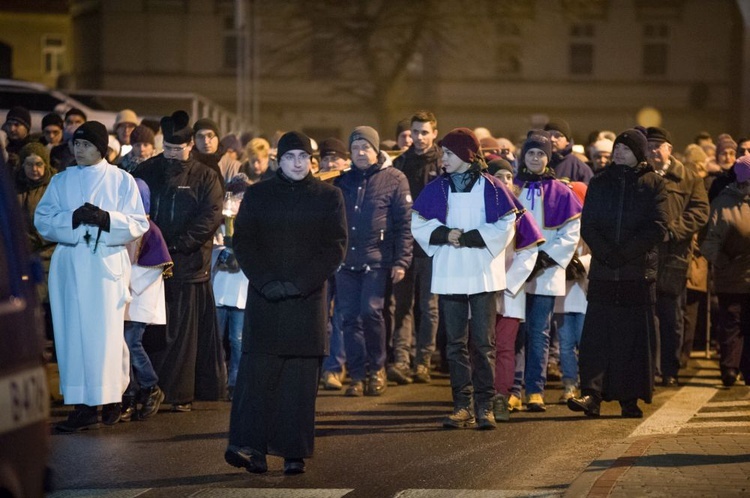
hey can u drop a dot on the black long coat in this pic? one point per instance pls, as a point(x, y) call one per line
point(289, 232)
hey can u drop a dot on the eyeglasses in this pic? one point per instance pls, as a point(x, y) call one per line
point(174, 148)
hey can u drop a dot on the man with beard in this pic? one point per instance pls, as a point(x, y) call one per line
point(421, 163)
point(186, 201)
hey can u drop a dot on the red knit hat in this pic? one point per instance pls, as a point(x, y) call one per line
point(463, 143)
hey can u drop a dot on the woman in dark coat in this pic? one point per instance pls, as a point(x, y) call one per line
point(624, 218)
point(290, 236)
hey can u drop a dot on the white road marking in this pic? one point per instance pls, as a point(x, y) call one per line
point(475, 493)
point(727, 404)
point(724, 414)
point(99, 493)
point(678, 410)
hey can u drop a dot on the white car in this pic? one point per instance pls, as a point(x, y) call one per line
point(40, 101)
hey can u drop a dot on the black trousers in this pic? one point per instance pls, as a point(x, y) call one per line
point(273, 408)
point(734, 329)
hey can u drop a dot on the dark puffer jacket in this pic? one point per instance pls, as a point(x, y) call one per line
point(186, 200)
point(624, 218)
point(378, 214)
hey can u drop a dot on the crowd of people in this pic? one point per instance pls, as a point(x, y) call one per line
point(185, 265)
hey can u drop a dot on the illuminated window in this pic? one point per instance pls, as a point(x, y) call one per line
point(53, 55)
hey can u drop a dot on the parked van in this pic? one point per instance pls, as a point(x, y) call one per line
point(24, 397)
point(40, 101)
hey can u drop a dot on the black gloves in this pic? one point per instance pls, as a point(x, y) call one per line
point(543, 261)
point(575, 269)
point(440, 235)
point(276, 291)
point(472, 238)
point(88, 214)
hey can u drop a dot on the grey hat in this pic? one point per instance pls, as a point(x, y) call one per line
point(365, 133)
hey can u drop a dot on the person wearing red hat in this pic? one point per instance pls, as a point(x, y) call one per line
point(464, 220)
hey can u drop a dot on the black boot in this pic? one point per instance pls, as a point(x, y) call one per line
point(111, 413)
point(630, 409)
point(82, 418)
point(152, 398)
point(128, 408)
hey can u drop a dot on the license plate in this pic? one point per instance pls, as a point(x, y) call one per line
point(24, 399)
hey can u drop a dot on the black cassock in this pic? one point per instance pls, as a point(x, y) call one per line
point(293, 232)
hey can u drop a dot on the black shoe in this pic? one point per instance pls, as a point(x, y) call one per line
point(111, 413)
point(294, 466)
point(586, 404)
point(400, 374)
point(128, 411)
point(152, 398)
point(630, 409)
point(82, 418)
point(182, 407)
point(355, 389)
point(669, 381)
point(729, 377)
point(246, 458)
point(378, 383)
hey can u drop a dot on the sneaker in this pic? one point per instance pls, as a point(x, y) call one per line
point(332, 381)
point(459, 419)
point(128, 411)
point(82, 418)
point(553, 372)
point(486, 420)
point(400, 374)
point(378, 383)
point(355, 389)
point(422, 374)
point(514, 403)
point(535, 403)
point(111, 413)
point(500, 408)
point(152, 399)
point(569, 391)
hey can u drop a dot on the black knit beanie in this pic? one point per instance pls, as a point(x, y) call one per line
point(537, 139)
point(96, 133)
point(634, 140)
point(20, 115)
point(293, 140)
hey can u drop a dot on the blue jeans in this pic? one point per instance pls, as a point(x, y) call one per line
point(569, 331)
point(231, 319)
point(142, 374)
point(476, 376)
point(538, 313)
point(336, 358)
point(360, 297)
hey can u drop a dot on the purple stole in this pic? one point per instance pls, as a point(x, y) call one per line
point(560, 203)
point(153, 252)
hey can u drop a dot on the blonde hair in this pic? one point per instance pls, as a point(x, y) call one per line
point(258, 147)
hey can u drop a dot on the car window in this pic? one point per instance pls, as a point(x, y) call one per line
point(33, 101)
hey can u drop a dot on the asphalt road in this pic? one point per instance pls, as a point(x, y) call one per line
point(371, 447)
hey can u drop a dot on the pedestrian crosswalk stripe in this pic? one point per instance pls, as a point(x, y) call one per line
point(216, 493)
point(98, 493)
point(476, 493)
point(712, 424)
point(724, 414)
point(727, 404)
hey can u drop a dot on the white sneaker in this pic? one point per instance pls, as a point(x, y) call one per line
point(332, 381)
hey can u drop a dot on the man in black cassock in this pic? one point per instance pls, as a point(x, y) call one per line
point(290, 236)
point(186, 201)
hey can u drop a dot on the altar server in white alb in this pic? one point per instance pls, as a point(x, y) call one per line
point(92, 211)
point(465, 219)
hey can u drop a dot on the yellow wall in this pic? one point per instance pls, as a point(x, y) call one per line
point(24, 33)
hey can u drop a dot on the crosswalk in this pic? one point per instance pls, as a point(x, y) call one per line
point(305, 493)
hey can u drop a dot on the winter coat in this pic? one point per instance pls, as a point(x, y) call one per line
point(186, 201)
point(688, 213)
point(419, 170)
point(727, 241)
point(625, 216)
point(378, 213)
point(289, 232)
point(568, 167)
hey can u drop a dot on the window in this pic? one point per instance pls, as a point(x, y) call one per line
point(582, 49)
point(655, 49)
point(581, 58)
point(53, 55)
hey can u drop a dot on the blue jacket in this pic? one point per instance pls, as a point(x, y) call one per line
point(378, 214)
point(567, 166)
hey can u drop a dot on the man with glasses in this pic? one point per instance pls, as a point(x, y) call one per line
point(186, 202)
point(207, 150)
